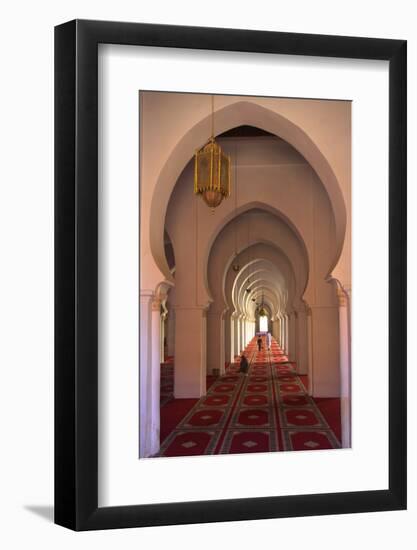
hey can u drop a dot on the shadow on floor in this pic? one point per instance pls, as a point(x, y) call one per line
point(45, 512)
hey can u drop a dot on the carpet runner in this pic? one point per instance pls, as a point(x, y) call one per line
point(267, 410)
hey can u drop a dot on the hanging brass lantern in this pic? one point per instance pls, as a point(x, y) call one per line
point(212, 174)
point(212, 171)
point(262, 311)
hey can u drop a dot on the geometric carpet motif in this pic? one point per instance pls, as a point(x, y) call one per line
point(267, 410)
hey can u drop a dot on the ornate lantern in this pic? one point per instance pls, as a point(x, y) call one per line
point(262, 311)
point(212, 171)
point(212, 174)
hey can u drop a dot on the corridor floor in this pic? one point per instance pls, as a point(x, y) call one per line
point(268, 410)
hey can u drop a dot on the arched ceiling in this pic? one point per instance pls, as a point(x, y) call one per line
point(257, 224)
point(234, 115)
point(271, 269)
point(259, 280)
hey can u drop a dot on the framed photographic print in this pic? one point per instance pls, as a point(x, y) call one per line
point(230, 275)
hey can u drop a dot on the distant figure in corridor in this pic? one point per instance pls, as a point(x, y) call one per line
point(259, 342)
point(268, 340)
point(244, 365)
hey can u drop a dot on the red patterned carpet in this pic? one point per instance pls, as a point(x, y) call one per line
point(329, 408)
point(268, 410)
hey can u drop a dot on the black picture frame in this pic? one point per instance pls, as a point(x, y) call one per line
point(76, 272)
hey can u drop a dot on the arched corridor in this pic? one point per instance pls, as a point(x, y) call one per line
point(270, 262)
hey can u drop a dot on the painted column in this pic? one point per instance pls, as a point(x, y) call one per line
point(164, 315)
point(232, 338)
point(287, 349)
point(240, 333)
point(345, 378)
point(274, 329)
point(310, 350)
point(155, 405)
point(243, 324)
point(236, 324)
point(150, 374)
point(277, 330)
point(325, 350)
point(280, 331)
point(145, 374)
point(302, 348)
point(296, 338)
point(190, 351)
point(227, 336)
point(284, 334)
point(292, 323)
point(237, 336)
point(222, 368)
point(215, 338)
point(170, 332)
point(247, 331)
